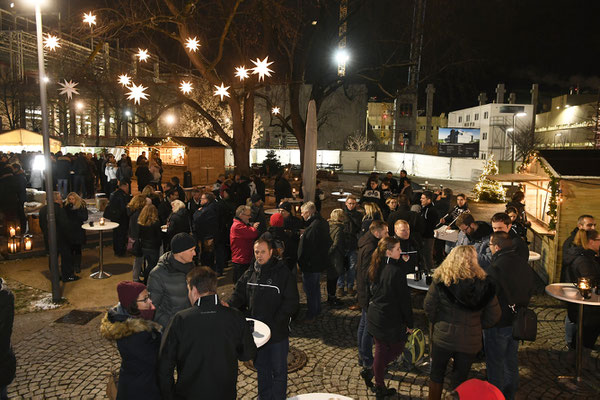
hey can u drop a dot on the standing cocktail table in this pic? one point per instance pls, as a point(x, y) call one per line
point(108, 226)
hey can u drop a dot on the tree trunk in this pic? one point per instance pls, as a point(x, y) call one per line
point(241, 157)
point(297, 122)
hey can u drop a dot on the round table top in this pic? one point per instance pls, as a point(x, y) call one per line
point(294, 201)
point(555, 290)
point(533, 256)
point(358, 186)
point(261, 334)
point(343, 200)
point(271, 211)
point(419, 285)
point(341, 194)
point(319, 396)
point(108, 225)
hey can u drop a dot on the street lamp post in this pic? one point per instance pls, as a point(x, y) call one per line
point(52, 244)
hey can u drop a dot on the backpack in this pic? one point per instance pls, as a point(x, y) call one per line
point(111, 212)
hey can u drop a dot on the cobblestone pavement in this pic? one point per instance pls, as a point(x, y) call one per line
point(63, 361)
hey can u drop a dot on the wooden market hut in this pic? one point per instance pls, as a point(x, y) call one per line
point(203, 157)
point(559, 186)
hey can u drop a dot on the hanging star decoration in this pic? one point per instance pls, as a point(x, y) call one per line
point(185, 87)
point(51, 42)
point(275, 110)
point(262, 68)
point(124, 80)
point(221, 91)
point(89, 18)
point(192, 44)
point(136, 93)
point(68, 89)
point(241, 72)
point(142, 55)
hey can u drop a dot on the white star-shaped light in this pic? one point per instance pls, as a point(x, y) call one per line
point(222, 91)
point(275, 110)
point(68, 89)
point(136, 93)
point(262, 68)
point(51, 42)
point(192, 44)
point(241, 72)
point(124, 80)
point(185, 87)
point(142, 55)
point(89, 18)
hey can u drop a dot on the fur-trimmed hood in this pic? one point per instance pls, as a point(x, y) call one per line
point(117, 324)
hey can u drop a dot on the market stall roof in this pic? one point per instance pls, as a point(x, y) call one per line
point(518, 178)
point(174, 141)
point(573, 163)
point(23, 137)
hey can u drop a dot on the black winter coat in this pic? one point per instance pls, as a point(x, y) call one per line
point(138, 342)
point(206, 222)
point(411, 261)
point(366, 246)
point(460, 312)
point(283, 189)
point(8, 362)
point(415, 221)
point(269, 293)
point(390, 308)
point(314, 245)
point(144, 176)
point(432, 218)
point(76, 218)
point(63, 228)
point(178, 222)
point(352, 227)
point(205, 343)
point(63, 167)
point(514, 282)
point(150, 236)
point(134, 228)
point(164, 210)
point(119, 200)
point(566, 258)
point(583, 263)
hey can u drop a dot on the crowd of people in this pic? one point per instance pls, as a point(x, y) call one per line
point(363, 250)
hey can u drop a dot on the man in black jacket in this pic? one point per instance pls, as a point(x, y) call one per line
point(476, 234)
point(204, 343)
point(269, 292)
point(514, 282)
point(432, 218)
point(81, 169)
point(352, 226)
point(206, 228)
point(501, 223)
point(118, 204)
point(366, 246)
point(313, 252)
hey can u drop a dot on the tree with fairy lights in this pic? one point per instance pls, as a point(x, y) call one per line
point(488, 189)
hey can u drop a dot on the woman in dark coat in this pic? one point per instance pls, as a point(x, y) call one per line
point(150, 236)
point(389, 317)
point(130, 324)
point(283, 189)
point(460, 302)
point(134, 208)
point(518, 202)
point(178, 221)
point(582, 262)
point(337, 251)
point(143, 175)
point(77, 214)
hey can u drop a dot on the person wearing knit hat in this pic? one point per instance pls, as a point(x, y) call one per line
point(286, 206)
point(166, 283)
point(130, 324)
point(276, 220)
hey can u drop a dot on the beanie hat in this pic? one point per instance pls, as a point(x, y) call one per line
point(276, 219)
point(255, 198)
point(285, 205)
point(475, 389)
point(128, 292)
point(182, 242)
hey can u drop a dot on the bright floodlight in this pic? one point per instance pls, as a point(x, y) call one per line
point(79, 105)
point(128, 113)
point(39, 163)
point(46, 79)
point(170, 119)
point(521, 114)
point(510, 129)
point(35, 2)
point(342, 56)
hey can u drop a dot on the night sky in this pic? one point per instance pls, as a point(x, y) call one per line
point(469, 46)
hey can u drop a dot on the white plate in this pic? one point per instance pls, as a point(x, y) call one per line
point(570, 291)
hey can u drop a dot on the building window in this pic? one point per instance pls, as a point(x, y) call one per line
point(485, 115)
point(422, 128)
point(484, 136)
point(460, 119)
point(483, 157)
point(406, 110)
point(477, 117)
point(468, 118)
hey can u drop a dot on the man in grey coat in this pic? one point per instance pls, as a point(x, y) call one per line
point(167, 283)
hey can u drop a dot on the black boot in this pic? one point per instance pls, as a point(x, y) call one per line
point(381, 392)
point(367, 375)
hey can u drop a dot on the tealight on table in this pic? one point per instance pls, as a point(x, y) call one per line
point(556, 290)
point(108, 226)
point(262, 332)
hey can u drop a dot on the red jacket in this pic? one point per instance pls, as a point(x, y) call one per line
point(241, 239)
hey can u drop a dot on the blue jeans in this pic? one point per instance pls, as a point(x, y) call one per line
point(501, 359)
point(312, 288)
point(79, 185)
point(365, 342)
point(271, 368)
point(347, 278)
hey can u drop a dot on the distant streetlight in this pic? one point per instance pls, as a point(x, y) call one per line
point(52, 243)
point(79, 105)
point(170, 119)
point(556, 136)
point(342, 57)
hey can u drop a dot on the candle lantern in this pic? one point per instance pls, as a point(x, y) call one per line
point(27, 242)
point(297, 209)
point(14, 244)
point(102, 221)
point(584, 286)
point(12, 231)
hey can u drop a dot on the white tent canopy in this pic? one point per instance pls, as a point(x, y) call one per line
point(22, 139)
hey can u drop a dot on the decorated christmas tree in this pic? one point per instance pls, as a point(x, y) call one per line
point(487, 189)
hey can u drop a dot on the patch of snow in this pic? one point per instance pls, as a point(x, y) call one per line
point(44, 303)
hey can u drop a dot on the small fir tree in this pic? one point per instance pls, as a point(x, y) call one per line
point(271, 164)
point(488, 189)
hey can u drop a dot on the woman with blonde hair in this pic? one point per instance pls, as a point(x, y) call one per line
point(372, 213)
point(150, 237)
point(178, 221)
point(150, 193)
point(336, 254)
point(77, 214)
point(461, 301)
point(389, 317)
point(134, 208)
